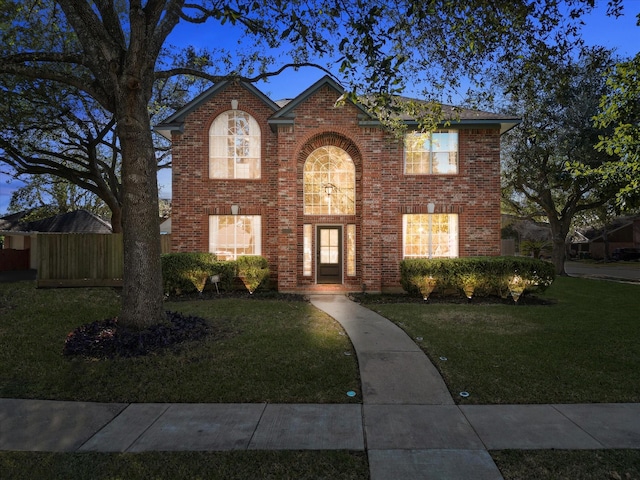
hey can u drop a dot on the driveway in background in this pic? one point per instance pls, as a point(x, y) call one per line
point(629, 271)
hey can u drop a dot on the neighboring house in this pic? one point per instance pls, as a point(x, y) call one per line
point(328, 195)
point(21, 235)
point(622, 232)
point(526, 237)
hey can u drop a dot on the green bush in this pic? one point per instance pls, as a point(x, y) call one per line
point(227, 271)
point(253, 271)
point(189, 272)
point(476, 276)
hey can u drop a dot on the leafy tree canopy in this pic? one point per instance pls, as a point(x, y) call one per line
point(620, 115)
point(373, 47)
point(557, 97)
point(55, 130)
point(46, 195)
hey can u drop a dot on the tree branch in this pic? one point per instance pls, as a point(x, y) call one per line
point(165, 74)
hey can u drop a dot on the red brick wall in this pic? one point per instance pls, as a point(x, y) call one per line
point(196, 196)
point(383, 192)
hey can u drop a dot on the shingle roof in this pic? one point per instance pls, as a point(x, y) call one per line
point(9, 222)
point(284, 110)
point(79, 221)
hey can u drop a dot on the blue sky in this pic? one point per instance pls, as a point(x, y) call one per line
point(621, 34)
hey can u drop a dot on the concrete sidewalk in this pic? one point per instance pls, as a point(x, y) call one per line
point(398, 437)
point(407, 423)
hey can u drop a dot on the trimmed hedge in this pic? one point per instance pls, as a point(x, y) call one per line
point(476, 276)
point(189, 272)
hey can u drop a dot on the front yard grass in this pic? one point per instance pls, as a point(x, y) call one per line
point(568, 464)
point(310, 465)
point(260, 351)
point(582, 348)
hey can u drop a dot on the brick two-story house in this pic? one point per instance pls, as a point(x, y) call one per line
point(328, 195)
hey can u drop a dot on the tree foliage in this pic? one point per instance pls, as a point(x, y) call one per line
point(557, 97)
point(57, 133)
point(45, 195)
point(54, 130)
point(115, 52)
point(620, 115)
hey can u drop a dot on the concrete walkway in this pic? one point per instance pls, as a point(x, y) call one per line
point(407, 423)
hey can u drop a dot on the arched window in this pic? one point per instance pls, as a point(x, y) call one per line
point(329, 182)
point(234, 146)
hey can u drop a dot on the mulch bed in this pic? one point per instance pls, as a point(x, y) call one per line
point(107, 339)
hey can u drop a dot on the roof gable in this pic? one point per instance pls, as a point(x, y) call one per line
point(286, 113)
point(175, 123)
point(451, 115)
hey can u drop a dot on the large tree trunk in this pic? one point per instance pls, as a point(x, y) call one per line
point(558, 255)
point(142, 297)
point(559, 232)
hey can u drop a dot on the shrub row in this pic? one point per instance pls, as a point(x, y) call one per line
point(184, 273)
point(476, 276)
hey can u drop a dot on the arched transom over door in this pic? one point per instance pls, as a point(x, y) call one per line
point(329, 182)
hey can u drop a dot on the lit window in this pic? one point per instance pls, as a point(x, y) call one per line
point(430, 235)
point(233, 235)
point(351, 250)
point(234, 146)
point(431, 153)
point(307, 256)
point(329, 182)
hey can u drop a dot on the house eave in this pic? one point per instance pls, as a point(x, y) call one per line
point(504, 125)
point(285, 114)
point(166, 130)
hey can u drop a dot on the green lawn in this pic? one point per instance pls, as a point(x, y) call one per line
point(582, 348)
point(260, 351)
point(185, 466)
point(568, 464)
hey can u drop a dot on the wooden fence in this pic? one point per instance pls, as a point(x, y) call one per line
point(82, 259)
point(11, 259)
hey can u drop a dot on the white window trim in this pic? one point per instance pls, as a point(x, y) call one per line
point(219, 138)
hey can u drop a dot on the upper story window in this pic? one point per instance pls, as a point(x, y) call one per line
point(234, 146)
point(329, 182)
point(431, 153)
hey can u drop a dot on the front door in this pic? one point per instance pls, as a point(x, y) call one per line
point(329, 255)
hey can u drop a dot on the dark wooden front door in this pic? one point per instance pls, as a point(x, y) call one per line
point(329, 255)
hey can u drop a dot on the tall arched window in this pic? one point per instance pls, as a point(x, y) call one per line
point(329, 182)
point(234, 146)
